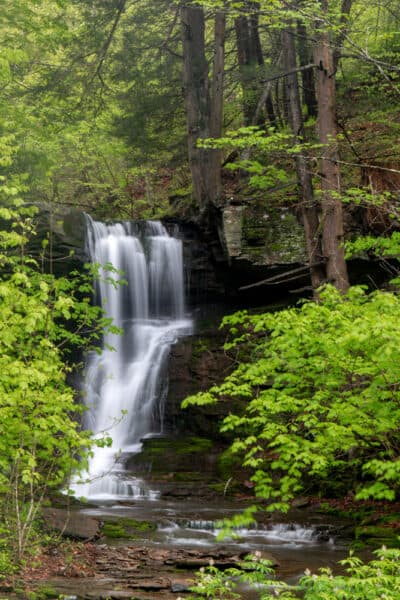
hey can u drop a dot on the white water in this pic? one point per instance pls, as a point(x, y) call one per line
point(125, 386)
point(206, 533)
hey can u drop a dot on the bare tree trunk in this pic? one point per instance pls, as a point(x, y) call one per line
point(204, 112)
point(251, 61)
point(217, 103)
point(307, 76)
point(309, 209)
point(341, 36)
point(217, 92)
point(246, 68)
point(332, 213)
point(197, 100)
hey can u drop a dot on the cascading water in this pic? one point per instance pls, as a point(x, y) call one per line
point(125, 385)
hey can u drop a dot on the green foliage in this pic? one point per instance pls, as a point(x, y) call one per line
point(321, 395)
point(41, 442)
point(213, 583)
point(381, 246)
point(380, 578)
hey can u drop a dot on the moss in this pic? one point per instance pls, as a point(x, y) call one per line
point(230, 487)
point(199, 347)
point(126, 528)
point(188, 476)
point(183, 446)
point(392, 518)
point(227, 463)
point(377, 536)
point(139, 525)
point(114, 530)
point(194, 445)
point(46, 591)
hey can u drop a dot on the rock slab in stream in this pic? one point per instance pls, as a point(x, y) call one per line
point(71, 524)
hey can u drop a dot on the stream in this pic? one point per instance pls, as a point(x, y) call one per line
point(297, 541)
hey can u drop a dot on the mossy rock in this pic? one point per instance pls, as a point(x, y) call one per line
point(200, 346)
point(228, 463)
point(188, 476)
point(42, 592)
point(392, 518)
point(191, 445)
point(126, 528)
point(171, 455)
point(271, 236)
point(377, 536)
point(228, 488)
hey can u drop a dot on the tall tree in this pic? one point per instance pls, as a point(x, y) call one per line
point(203, 162)
point(250, 58)
point(308, 205)
point(331, 204)
point(217, 99)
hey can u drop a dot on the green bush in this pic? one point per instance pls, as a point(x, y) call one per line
point(320, 392)
point(41, 442)
point(376, 580)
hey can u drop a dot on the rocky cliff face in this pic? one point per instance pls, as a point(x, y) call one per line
point(264, 237)
point(251, 245)
point(65, 231)
point(246, 244)
point(195, 364)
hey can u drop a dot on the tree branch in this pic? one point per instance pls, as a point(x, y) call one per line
point(282, 277)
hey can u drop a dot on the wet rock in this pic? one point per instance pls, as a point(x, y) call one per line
point(65, 229)
point(70, 524)
point(151, 584)
point(179, 588)
point(195, 364)
point(300, 502)
point(378, 535)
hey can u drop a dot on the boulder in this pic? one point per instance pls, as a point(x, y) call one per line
point(71, 524)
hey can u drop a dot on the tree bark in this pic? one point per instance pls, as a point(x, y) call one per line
point(332, 213)
point(217, 103)
point(307, 76)
point(203, 165)
point(341, 36)
point(251, 61)
point(246, 68)
point(309, 209)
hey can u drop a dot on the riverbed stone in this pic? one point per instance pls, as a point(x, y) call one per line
point(140, 572)
point(300, 502)
point(71, 524)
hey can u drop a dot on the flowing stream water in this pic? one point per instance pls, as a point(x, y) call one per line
point(125, 386)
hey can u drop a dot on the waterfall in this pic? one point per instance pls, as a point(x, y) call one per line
point(125, 386)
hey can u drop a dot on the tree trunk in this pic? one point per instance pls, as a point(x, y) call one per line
point(341, 36)
point(309, 210)
point(307, 76)
point(217, 103)
point(246, 69)
point(251, 62)
point(332, 213)
point(198, 104)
